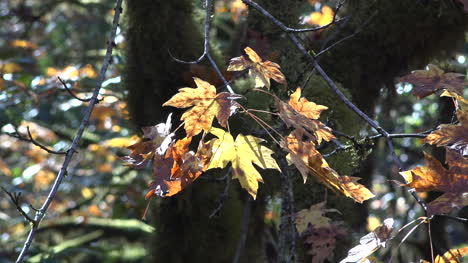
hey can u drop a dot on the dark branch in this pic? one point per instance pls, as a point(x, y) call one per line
point(243, 230)
point(31, 139)
point(70, 92)
point(311, 60)
point(15, 199)
point(73, 149)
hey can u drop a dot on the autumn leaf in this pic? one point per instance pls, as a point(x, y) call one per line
point(318, 231)
point(242, 154)
point(261, 71)
point(427, 82)
point(308, 160)
point(460, 102)
point(453, 136)
point(302, 115)
point(321, 18)
point(451, 256)
point(315, 216)
point(205, 105)
point(178, 168)
point(434, 177)
point(369, 243)
point(159, 140)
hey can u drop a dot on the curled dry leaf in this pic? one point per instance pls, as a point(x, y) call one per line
point(177, 169)
point(451, 256)
point(242, 154)
point(427, 82)
point(308, 160)
point(302, 115)
point(205, 105)
point(434, 177)
point(261, 71)
point(159, 140)
point(453, 136)
point(369, 243)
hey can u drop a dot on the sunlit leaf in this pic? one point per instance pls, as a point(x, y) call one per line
point(261, 71)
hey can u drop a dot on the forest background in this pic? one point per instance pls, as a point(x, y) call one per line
point(100, 211)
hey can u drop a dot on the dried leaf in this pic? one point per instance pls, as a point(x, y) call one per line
point(429, 81)
point(242, 154)
point(454, 137)
point(451, 256)
point(315, 216)
point(434, 177)
point(205, 105)
point(301, 114)
point(261, 71)
point(369, 243)
point(308, 160)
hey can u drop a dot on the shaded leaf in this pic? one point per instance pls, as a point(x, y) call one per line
point(205, 105)
point(315, 216)
point(242, 154)
point(434, 177)
point(453, 136)
point(261, 71)
point(429, 81)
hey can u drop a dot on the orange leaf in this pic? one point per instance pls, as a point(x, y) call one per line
point(429, 81)
point(434, 177)
point(261, 71)
point(308, 160)
point(205, 105)
point(301, 114)
point(455, 137)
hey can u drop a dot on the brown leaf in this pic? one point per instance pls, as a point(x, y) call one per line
point(205, 105)
point(308, 160)
point(434, 177)
point(261, 71)
point(454, 137)
point(429, 81)
point(315, 216)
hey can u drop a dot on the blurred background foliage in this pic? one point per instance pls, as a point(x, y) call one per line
point(97, 212)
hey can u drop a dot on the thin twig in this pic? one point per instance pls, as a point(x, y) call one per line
point(224, 195)
point(310, 59)
point(206, 48)
point(84, 123)
point(243, 230)
point(14, 197)
point(70, 92)
point(31, 139)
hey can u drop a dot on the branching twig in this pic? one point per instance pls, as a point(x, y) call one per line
point(224, 195)
point(84, 123)
point(311, 60)
point(70, 92)
point(14, 197)
point(33, 141)
point(206, 48)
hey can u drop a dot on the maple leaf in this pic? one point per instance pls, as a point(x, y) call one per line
point(427, 82)
point(369, 243)
point(314, 216)
point(454, 137)
point(242, 154)
point(301, 114)
point(205, 105)
point(308, 160)
point(451, 256)
point(434, 177)
point(174, 171)
point(159, 139)
point(261, 71)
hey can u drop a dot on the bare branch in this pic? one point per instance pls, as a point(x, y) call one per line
point(15, 199)
point(311, 60)
point(243, 230)
point(70, 92)
point(73, 149)
point(31, 139)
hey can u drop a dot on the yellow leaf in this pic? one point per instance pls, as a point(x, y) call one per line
point(23, 44)
point(452, 256)
point(242, 154)
point(261, 71)
point(9, 67)
point(205, 105)
point(315, 216)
